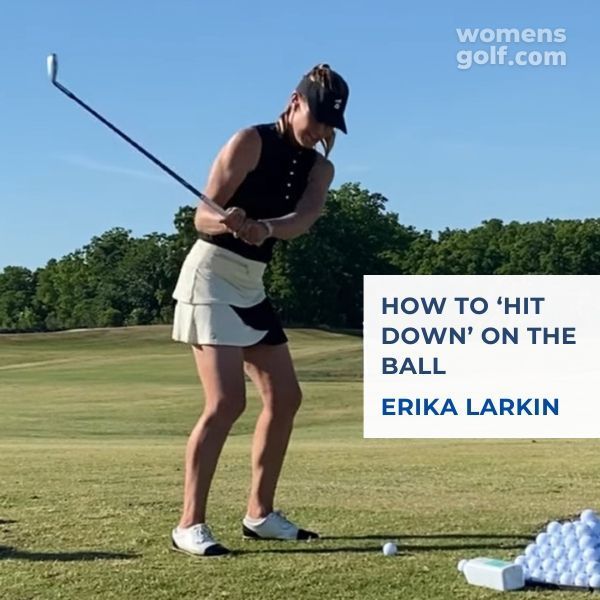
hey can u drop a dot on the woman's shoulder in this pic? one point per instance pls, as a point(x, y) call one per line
point(252, 137)
point(247, 135)
point(246, 140)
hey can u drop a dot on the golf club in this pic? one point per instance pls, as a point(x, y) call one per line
point(52, 64)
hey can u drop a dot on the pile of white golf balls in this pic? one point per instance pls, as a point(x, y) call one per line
point(565, 553)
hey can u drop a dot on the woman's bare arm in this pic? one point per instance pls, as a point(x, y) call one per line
point(235, 160)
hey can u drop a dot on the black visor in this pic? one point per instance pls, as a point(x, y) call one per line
point(327, 105)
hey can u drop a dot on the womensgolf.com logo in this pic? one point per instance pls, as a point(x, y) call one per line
point(495, 54)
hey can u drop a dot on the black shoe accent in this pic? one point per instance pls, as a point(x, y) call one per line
point(303, 534)
point(214, 550)
point(249, 534)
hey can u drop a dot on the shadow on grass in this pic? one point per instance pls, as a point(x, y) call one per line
point(402, 550)
point(6, 552)
point(7, 521)
point(433, 536)
point(313, 549)
point(512, 542)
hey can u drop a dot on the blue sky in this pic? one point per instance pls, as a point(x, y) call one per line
point(448, 147)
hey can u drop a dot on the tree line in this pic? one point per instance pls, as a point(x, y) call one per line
point(314, 280)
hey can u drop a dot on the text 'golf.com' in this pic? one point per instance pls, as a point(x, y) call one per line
point(511, 47)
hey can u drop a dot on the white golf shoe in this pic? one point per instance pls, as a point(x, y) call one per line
point(197, 540)
point(275, 526)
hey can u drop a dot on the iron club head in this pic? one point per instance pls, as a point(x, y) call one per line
point(52, 64)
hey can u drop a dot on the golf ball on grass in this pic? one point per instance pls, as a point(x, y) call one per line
point(548, 565)
point(591, 554)
point(567, 528)
point(588, 515)
point(574, 553)
point(562, 566)
point(531, 550)
point(566, 579)
point(542, 538)
point(554, 527)
point(587, 541)
point(556, 540)
point(592, 568)
point(521, 560)
point(544, 551)
point(552, 576)
point(537, 575)
point(570, 540)
point(389, 549)
point(577, 566)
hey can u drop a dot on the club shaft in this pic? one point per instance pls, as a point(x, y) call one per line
point(147, 154)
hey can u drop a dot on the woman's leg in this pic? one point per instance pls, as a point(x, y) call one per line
point(221, 373)
point(271, 369)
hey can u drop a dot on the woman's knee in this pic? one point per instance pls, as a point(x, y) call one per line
point(296, 399)
point(283, 402)
point(224, 410)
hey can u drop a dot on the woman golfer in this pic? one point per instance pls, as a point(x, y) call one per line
point(273, 184)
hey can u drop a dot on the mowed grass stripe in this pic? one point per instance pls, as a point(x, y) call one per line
point(91, 472)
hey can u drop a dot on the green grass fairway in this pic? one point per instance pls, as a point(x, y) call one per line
point(92, 433)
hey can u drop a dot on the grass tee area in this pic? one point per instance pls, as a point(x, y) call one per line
point(93, 428)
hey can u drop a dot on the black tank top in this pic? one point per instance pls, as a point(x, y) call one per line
point(271, 190)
